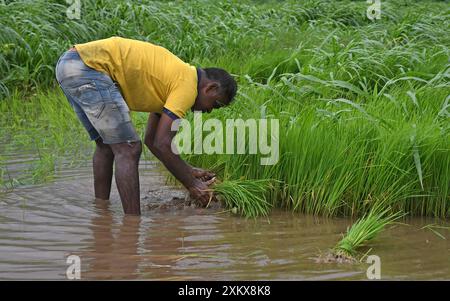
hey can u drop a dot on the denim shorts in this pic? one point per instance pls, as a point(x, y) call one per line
point(96, 99)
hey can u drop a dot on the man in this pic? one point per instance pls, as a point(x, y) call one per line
point(105, 79)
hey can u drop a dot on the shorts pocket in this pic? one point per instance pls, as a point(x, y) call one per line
point(86, 92)
point(89, 98)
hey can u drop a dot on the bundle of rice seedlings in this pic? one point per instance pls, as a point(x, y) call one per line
point(247, 197)
point(364, 230)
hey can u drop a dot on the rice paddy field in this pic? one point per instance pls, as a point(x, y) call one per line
point(363, 105)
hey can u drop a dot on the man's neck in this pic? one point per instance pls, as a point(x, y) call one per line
point(201, 78)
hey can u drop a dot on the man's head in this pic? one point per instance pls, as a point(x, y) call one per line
point(216, 89)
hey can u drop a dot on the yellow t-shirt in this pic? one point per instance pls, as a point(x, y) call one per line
point(150, 77)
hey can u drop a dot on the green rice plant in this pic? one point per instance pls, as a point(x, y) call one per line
point(4, 175)
point(365, 229)
point(44, 169)
point(246, 197)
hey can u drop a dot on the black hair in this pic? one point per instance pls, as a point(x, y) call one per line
point(228, 86)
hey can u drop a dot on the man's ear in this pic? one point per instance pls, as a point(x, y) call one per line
point(213, 87)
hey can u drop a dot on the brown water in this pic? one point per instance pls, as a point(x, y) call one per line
point(41, 225)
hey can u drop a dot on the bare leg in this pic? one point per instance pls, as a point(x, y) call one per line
point(103, 169)
point(126, 158)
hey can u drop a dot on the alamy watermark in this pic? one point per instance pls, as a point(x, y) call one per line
point(73, 272)
point(374, 10)
point(374, 270)
point(238, 136)
point(74, 9)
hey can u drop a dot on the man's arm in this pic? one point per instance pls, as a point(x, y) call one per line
point(158, 139)
point(150, 132)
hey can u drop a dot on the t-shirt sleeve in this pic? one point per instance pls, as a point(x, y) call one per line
point(181, 98)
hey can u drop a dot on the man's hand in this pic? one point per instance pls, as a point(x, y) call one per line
point(204, 175)
point(200, 190)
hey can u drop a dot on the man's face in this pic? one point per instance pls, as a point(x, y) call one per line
point(208, 99)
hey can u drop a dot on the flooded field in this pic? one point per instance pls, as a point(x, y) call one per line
point(43, 224)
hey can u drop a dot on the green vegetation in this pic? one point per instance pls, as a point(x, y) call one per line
point(363, 105)
point(247, 196)
point(364, 230)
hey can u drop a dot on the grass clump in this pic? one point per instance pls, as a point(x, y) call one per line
point(364, 230)
point(249, 197)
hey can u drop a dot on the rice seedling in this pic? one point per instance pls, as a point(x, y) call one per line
point(248, 197)
point(365, 229)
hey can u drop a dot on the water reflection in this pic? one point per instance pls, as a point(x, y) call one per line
point(112, 252)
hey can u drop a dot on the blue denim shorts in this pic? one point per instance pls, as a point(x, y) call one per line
point(96, 99)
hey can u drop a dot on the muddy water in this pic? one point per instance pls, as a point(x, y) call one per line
point(41, 225)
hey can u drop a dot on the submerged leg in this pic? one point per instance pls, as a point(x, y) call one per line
point(126, 158)
point(103, 169)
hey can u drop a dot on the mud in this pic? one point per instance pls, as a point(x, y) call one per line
point(163, 199)
point(332, 257)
